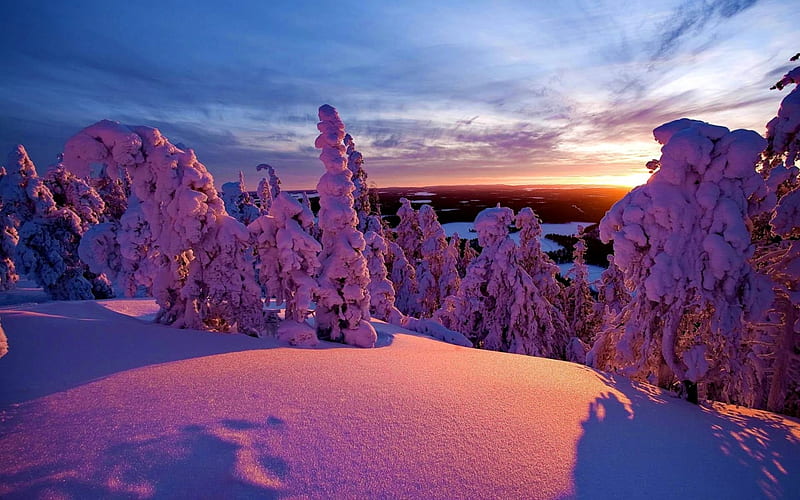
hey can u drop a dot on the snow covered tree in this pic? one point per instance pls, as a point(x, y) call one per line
point(777, 340)
point(70, 191)
point(613, 296)
point(8, 244)
point(578, 303)
point(298, 267)
point(3, 342)
point(408, 232)
point(498, 305)
point(450, 280)
point(683, 244)
point(237, 201)
point(18, 203)
point(434, 280)
point(264, 236)
point(468, 254)
point(201, 278)
point(268, 188)
point(361, 193)
point(47, 250)
point(381, 290)
point(533, 259)
point(404, 279)
point(123, 251)
point(343, 299)
point(114, 193)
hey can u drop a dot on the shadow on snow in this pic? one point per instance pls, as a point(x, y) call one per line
point(227, 459)
point(637, 449)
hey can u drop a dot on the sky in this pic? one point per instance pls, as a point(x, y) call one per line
point(434, 93)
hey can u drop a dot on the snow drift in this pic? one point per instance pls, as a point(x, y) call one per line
point(188, 413)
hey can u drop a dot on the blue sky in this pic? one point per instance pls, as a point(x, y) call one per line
point(436, 92)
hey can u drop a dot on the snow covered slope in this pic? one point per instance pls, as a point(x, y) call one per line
point(94, 403)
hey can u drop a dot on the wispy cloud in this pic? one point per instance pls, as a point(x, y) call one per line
point(518, 89)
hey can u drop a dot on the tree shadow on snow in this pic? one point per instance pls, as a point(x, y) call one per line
point(646, 448)
point(224, 460)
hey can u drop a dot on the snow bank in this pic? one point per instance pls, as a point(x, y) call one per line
point(128, 409)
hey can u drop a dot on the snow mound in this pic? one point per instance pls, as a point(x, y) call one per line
point(96, 404)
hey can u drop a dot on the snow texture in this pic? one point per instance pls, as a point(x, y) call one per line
point(343, 299)
point(131, 409)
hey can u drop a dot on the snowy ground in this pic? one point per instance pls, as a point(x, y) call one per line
point(97, 403)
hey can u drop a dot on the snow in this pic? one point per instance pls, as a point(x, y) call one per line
point(422, 201)
point(125, 408)
point(423, 193)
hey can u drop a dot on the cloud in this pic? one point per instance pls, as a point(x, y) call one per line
point(691, 18)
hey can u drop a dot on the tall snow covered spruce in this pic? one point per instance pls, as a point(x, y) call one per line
point(404, 279)
point(682, 241)
point(532, 258)
point(435, 280)
point(381, 290)
point(202, 279)
point(343, 299)
point(361, 194)
point(579, 305)
point(268, 188)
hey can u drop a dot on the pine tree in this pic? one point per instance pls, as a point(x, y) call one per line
point(404, 279)
point(579, 305)
point(361, 194)
point(431, 270)
point(298, 267)
point(777, 340)
point(47, 250)
point(533, 259)
point(268, 188)
point(381, 290)
point(613, 296)
point(8, 244)
point(201, 276)
point(409, 234)
point(343, 299)
point(683, 244)
point(237, 201)
point(498, 305)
